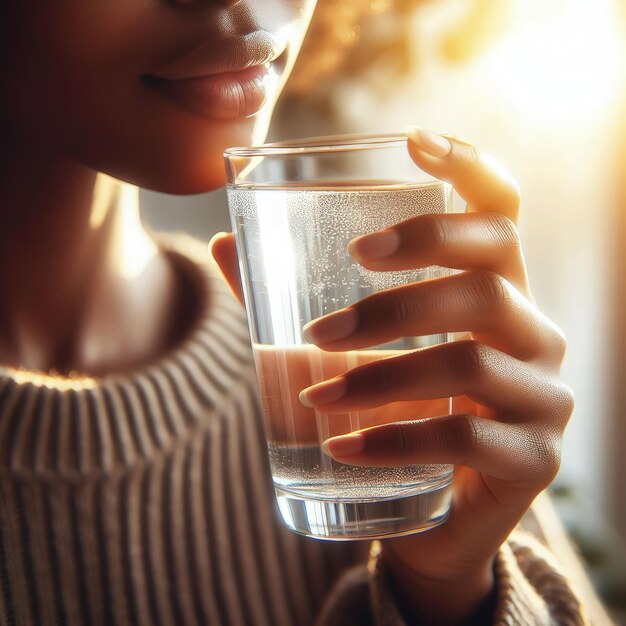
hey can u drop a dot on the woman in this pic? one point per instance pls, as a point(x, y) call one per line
point(129, 422)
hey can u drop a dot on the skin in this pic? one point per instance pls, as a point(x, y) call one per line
point(76, 103)
point(80, 294)
point(510, 408)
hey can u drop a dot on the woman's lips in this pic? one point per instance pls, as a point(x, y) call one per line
point(224, 79)
point(224, 96)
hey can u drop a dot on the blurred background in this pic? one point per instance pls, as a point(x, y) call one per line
point(540, 84)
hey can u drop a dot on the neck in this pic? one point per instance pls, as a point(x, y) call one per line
point(83, 287)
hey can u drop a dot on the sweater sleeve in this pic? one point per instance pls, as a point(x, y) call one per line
point(531, 590)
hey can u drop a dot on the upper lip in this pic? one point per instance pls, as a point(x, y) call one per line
point(233, 54)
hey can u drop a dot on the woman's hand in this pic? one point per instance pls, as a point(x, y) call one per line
point(510, 407)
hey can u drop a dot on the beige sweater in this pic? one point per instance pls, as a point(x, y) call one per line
point(145, 499)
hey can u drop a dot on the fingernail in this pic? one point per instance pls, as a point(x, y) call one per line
point(332, 327)
point(376, 246)
point(429, 142)
point(325, 393)
point(346, 445)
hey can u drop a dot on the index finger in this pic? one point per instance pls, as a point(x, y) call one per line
point(477, 177)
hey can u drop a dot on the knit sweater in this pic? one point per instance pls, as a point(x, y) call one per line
point(146, 499)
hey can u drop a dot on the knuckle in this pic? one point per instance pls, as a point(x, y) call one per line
point(504, 232)
point(385, 378)
point(471, 154)
point(455, 436)
point(402, 438)
point(404, 308)
point(460, 436)
point(553, 462)
point(494, 288)
point(546, 460)
point(469, 361)
point(564, 402)
point(559, 343)
point(434, 232)
point(489, 290)
point(379, 378)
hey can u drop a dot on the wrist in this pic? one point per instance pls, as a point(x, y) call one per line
point(462, 598)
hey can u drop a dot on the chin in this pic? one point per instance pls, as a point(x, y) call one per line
point(199, 174)
point(185, 156)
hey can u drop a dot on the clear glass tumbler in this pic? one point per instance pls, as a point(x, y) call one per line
point(294, 207)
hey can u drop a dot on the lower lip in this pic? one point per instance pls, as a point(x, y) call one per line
point(227, 96)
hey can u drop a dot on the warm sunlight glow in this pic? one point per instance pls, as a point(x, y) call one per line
point(562, 61)
point(40, 379)
point(134, 249)
point(104, 195)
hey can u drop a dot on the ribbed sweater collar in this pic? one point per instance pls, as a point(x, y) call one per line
point(82, 426)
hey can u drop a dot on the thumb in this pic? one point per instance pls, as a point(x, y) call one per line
point(222, 247)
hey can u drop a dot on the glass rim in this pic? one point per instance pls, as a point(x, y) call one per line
point(319, 145)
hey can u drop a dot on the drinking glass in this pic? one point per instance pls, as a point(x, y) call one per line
point(294, 207)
